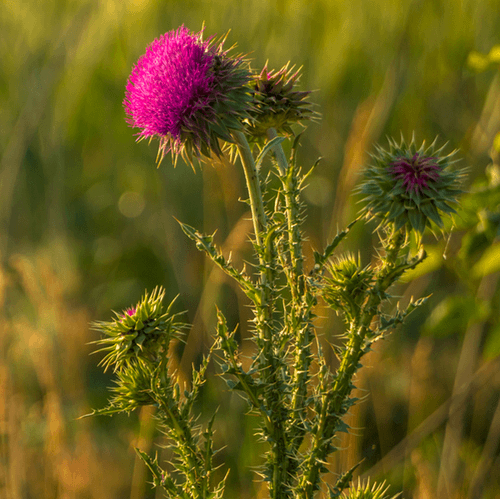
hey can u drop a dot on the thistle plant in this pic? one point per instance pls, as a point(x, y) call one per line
point(201, 102)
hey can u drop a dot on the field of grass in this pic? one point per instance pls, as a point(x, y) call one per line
point(87, 224)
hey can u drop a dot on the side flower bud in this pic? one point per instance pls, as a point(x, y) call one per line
point(141, 332)
point(410, 188)
point(346, 287)
point(276, 102)
point(368, 491)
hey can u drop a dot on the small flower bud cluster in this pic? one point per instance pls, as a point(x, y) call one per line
point(347, 285)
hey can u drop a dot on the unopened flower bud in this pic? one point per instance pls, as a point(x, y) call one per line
point(410, 188)
point(143, 331)
point(276, 102)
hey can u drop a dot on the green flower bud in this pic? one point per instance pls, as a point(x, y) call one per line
point(346, 287)
point(364, 491)
point(143, 331)
point(133, 387)
point(410, 188)
point(276, 103)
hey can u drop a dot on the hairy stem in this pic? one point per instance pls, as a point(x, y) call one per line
point(299, 312)
point(278, 152)
point(189, 451)
point(292, 216)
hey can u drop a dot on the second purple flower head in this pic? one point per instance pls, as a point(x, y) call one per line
point(411, 187)
point(188, 93)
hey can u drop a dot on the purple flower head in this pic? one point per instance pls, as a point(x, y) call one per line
point(417, 173)
point(188, 93)
point(410, 187)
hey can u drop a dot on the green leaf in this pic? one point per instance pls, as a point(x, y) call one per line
point(205, 243)
point(342, 483)
point(272, 143)
point(160, 476)
point(320, 259)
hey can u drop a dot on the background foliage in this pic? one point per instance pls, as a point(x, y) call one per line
point(86, 224)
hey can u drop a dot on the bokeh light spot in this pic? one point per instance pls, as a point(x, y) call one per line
point(131, 204)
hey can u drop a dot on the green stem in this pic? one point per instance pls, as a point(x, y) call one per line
point(268, 363)
point(300, 312)
point(292, 216)
point(253, 185)
point(185, 442)
point(354, 350)
point(278, 152)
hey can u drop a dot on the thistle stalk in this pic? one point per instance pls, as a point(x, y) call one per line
point(299, 311)
point(281, 160)
point(268, 362)
point(185, 439)
point(335, 405)
point(289, 177)
point(253, 186)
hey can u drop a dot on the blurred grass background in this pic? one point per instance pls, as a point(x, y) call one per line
point(86, 224)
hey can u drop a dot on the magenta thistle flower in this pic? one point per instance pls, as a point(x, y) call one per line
point(188, 93)
point(410, 187)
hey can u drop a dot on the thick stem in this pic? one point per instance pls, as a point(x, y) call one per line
point(293, 217)
point(268, 363)
point(299, 311)
point(253, 185)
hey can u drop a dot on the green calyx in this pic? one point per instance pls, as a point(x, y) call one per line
point(410, 188)
point(276, 103)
